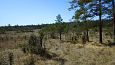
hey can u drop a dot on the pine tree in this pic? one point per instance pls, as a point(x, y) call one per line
point(82, 12)
point(59, 25)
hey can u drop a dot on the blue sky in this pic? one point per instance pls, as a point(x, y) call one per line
point(25, 12)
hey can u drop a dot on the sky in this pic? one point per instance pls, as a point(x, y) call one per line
point(27, 12)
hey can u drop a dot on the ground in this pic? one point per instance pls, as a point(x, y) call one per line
point(62, 52)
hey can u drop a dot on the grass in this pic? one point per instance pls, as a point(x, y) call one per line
point(66, 52)
point(74, 55)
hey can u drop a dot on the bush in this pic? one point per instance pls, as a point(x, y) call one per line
point(11, 57)
point(34, 45)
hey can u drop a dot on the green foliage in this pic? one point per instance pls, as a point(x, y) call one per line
point(17, 28)
point(59, 28)
point(58, 18)
point(72, 27)
point(42, 33)
point(34, 45)
point(59, 25)
point(52, 35)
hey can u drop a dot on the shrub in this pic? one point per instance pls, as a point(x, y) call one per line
point(34, 45)
point(11, 57)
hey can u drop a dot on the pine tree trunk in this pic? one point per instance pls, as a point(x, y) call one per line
point(87, 33)
point(60, 36)
point(100, 22)
point(113, 5)
point(41, 43)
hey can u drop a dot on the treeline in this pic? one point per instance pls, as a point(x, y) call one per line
point(29, 28)
point(26, 28)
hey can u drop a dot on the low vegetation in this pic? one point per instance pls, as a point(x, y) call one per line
point(82, 41)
